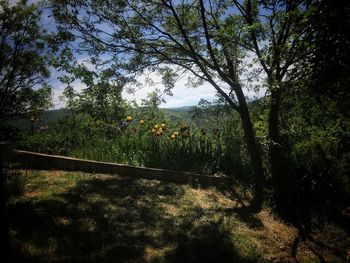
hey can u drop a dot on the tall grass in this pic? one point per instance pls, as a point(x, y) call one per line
point(151, 144)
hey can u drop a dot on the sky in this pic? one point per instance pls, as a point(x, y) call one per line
point(182, 94)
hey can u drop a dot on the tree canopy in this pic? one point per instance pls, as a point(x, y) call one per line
point(24, 60)
point(192, 36)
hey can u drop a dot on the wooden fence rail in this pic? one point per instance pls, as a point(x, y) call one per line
point(32, 160)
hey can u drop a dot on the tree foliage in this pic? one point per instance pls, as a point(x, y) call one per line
point(194, 36)
point(101, 99)
point(315, 120)
point(24, 58)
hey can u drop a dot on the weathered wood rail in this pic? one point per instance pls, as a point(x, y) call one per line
point(32, 160)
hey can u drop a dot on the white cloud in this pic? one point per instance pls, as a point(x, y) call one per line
point(182, 95)
point(58, 101)
point(186, 96)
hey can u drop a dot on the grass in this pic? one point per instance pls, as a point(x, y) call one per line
point(79, 217)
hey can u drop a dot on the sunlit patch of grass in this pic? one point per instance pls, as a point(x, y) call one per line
point(78, 217)
point(83, 217)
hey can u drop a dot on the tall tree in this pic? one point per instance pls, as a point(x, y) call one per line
point(329, 76)
point(24, 69)
point(170, 36)
point(102, 99)
point(276, 33)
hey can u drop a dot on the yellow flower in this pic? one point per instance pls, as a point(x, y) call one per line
point(176, 133)
point(142, 122)
point(163, 125)
point(129, 118)
point(173, 136)
point(154, 130)
point(156, 126)
point(160, 129)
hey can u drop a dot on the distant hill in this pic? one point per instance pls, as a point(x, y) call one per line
point(179, 114)
point(178, 109)
point(176, 115)
point(47, 118)
point(54, 115)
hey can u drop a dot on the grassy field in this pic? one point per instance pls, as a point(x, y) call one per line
point(79, 217)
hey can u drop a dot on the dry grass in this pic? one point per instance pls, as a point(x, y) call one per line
point(77, 217)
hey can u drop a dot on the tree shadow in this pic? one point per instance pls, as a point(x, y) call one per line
point(242, 210)
point(246, 215)
point(206, 243)
point(115, 219)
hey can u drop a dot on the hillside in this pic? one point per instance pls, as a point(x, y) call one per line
point(47, 118)
point(176, 115)
point(179, 114)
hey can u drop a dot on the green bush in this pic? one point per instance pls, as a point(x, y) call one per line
point(150, 141)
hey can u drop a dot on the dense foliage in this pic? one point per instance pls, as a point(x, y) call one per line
point(147, 137)
point(24, 59)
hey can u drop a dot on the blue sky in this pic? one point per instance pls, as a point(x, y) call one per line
point(182, 95)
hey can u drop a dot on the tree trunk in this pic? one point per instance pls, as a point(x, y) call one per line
point(4, 229)
point(278, 164)
point(255, 156)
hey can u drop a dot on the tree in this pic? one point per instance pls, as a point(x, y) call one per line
point(24, 58)
point(150, 107)
point(37, 101)
point(302, 48)
point(329, 67)
point(276, 33)
point(210, 39)
point(320, 145)
point(192, 36)
point(102, 99)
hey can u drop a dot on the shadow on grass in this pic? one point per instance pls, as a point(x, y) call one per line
point(242, 210)
point(206, 243)
point(245, 215)
point(116, 220)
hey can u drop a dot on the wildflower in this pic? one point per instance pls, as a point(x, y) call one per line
point(154, 130)
point(175, 135)
point(185, 131)
point(156, 126)
point(160, 129)
point(129, 118)
point(142, 122)
point(163, 125)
